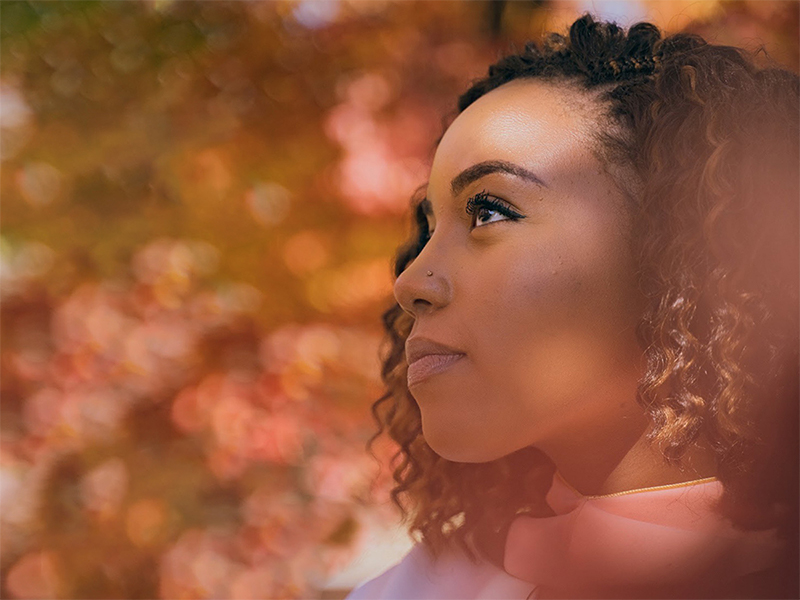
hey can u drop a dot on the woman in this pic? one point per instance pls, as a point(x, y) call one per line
point(593, 360)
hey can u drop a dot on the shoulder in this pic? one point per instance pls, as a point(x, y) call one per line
point(453, 575)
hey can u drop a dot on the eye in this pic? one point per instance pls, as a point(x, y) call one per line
point(486, 209)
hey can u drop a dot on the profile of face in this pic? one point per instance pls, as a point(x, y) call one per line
point(529, 279)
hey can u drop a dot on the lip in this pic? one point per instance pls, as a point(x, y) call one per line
point(427, 358)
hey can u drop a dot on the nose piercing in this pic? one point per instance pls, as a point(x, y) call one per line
point(430, 273)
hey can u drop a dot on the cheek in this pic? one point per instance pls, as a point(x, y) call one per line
point(557, 315)
point(528, 286)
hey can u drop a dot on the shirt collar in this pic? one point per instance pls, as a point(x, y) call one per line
point(664, 536)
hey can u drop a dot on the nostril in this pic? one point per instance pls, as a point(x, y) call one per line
point(421, 305)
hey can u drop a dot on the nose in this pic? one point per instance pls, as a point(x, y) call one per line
point(417, 292)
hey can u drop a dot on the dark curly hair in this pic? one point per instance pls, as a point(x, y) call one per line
point(705, 146)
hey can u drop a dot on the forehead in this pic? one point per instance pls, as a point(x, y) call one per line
point(544, 126)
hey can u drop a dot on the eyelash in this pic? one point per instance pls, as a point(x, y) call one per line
point(482, 201)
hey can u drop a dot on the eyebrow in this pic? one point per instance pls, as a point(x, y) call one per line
point(482, 169)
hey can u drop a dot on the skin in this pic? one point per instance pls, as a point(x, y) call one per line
point(544, 307)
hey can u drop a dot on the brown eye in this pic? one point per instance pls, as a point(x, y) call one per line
point(486, 209)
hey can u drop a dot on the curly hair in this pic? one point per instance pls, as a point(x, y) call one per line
point(705, 147)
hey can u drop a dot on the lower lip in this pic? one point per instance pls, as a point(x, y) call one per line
point(430, 365)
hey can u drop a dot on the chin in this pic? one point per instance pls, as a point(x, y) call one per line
point(457, 446)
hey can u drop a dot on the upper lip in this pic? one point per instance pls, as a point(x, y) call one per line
point(417, 347)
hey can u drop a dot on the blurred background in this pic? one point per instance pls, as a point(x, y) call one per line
point(200, 201)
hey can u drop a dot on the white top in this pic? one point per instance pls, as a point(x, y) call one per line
point(451, 576)
point(661, 537)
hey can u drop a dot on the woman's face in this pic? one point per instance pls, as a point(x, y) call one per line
point(538, 294)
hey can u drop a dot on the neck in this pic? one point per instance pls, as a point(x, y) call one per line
point(622, 460)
